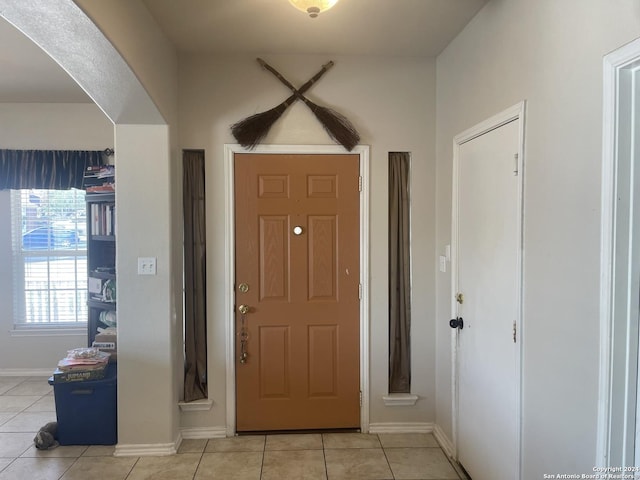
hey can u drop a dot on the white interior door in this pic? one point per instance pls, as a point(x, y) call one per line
point(487, 274)
point(619, 392)
point(635, 259)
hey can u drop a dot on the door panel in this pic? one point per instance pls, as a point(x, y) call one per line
point(488, 277)
point(323, 361)
point(322, 258)
point(274, 258)
point(302, 369)
point(274, 355)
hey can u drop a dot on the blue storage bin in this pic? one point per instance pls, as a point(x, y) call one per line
point(87, 411)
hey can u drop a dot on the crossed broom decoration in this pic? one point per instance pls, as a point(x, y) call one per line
point(250, 131)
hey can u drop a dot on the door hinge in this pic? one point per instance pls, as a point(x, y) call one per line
point(360, 397)
point(360, 183)
point(515, 159)
point(514, 331)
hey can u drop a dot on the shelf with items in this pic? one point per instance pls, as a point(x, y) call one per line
point(100, 179)
point(104, 315)
point(101, 264)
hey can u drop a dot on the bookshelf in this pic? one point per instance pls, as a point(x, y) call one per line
point(101, 251)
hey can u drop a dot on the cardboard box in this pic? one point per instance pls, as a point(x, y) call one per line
point(107, 342)
point(78, 375)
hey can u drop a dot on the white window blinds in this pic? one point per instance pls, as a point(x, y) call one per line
point(49, 242)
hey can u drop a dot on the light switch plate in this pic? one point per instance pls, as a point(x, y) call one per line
point(443, 263)
point(146, 265)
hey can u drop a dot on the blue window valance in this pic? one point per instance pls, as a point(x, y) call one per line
point(47, 169)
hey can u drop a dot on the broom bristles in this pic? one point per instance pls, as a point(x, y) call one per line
point(250, 131)
point(339, 128)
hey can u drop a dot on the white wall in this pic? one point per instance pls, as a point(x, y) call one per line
point(40, 126)
point(149, 175)
point(147, 386)
point(391, 101)
point(548, 53)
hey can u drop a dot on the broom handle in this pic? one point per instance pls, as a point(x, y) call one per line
point(297, 92)
point(338, 127)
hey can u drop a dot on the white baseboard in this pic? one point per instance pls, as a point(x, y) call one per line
point(445, 443)
point(195, 433)
point(401, 427)
point(147, 450)
point(447, 447)
point(26, 372)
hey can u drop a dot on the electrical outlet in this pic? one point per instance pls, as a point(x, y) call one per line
point(146, 265)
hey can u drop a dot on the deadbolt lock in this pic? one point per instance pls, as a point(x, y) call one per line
point(243, 287)
point(457, 323)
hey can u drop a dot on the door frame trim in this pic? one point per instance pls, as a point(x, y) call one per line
point(513, 113)
point(229, 237)
point(618, 330)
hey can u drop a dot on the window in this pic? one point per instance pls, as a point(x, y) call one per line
point(49, 239)
point(399, 273)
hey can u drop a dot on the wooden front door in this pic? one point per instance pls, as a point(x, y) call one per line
point(297, 271)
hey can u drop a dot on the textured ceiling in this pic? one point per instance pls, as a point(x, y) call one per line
point(353, 27)
point(27, 74)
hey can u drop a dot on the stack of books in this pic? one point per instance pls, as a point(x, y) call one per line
point(81, 364)
point(103, 218)
point(100, 179)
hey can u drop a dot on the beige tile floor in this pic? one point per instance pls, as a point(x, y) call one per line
point(27, 403)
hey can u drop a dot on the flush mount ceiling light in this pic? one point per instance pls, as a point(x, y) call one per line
point(313, 7)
